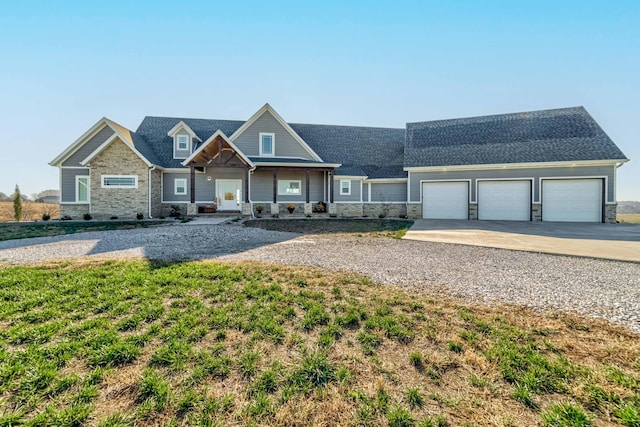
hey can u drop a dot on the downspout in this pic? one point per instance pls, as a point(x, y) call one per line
point(150, 169)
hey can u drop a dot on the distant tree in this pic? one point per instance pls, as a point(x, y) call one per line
point(17, 204)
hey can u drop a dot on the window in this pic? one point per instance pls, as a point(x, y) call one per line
point(180, 186)
point(82, 189)
point(183, 142)
point(289, 188)
point(345, 187)
point(119, 181)
point(267, 144)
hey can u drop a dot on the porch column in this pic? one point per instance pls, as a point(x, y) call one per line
point(275, 187)
point(246, 185)
point(307, 185)
point(193, 183)
point(330, 186)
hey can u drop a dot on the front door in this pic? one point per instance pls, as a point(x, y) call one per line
point(229, 191)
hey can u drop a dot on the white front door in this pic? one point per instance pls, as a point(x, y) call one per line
point(229, 194)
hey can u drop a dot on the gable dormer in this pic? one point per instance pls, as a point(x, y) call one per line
point(183, 140)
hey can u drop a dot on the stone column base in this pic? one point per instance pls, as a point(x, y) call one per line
point(473, 211)
point(332, 208)
point(414, 210)
point(308, 208)
point(275, 209)
point(610, 213)
point(192, 209)
point(536, 212)
point(246, 209)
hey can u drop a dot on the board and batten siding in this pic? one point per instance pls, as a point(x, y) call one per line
point(68, 183)
point(520, 173)
point(182, 154)
point(389, 192)
point(355, 191)
point(285, 145)
point(89, 147)
point(205, 189)
point(262, 186)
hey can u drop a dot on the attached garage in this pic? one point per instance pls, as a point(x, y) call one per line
point(572, 200)
point(445, 200)
point(504, 200)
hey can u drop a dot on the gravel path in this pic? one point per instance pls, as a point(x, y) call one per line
point(598, 288)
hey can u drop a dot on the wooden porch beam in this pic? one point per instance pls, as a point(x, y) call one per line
point(246, 185)
point(331, 187)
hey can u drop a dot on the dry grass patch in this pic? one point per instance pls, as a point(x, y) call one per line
point(115, 343)
point(31, 211)
point(629, 218)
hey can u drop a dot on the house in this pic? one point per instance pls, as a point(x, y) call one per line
point(551, 165)
point(48, 196)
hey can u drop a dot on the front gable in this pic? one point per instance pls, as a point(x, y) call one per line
point(286, 142)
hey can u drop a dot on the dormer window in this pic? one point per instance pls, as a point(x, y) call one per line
point(267, 144)
point(183, 142)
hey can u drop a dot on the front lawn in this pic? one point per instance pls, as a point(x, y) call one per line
point(201, 344)
point(16, 230)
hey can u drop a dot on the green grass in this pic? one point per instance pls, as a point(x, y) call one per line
point(134, 343)
point(11, 231)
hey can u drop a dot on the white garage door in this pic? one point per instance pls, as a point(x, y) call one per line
point(572, 200)
point(445, 200)
point(504, 200)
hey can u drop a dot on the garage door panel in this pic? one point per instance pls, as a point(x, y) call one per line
point(504, 200)
point(445, 200)
point(572, 200)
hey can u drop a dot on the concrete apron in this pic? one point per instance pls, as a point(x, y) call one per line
point(619, 250)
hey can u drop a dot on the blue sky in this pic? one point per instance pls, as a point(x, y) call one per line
point(66, 64)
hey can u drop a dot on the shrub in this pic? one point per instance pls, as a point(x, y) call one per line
point(175, 211)
point(259, 208)
point(114, 217)
point(87, 216)
point(139, 216)
point(46, 217)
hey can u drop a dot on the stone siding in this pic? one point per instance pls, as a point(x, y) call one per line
point(610, 213)
point(473, 211)
point(350, 210)
point(395, 210)
point(74, 211)
point(125, 203)
point(414, 210)
point(536, 212)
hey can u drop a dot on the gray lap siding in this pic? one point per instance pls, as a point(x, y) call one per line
point(389, 192)
point(262, 186)
point(89, 147)
point(68, 183)
point(205, 189)
point(355, 191)
point(524, 173)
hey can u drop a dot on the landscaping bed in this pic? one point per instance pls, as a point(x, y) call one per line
point(16, 230)
point(331, 225)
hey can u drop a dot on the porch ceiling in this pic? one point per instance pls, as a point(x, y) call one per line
point(217, 152)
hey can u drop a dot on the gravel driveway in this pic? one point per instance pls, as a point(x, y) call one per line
point(598, 288)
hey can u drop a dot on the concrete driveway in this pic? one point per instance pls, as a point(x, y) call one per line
point(608, 241)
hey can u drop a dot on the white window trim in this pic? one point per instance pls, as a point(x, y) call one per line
point(273, 144)
point(186, 142)
point(290, 180)
point(78, 178)
point(135, 177)
point(175, 187)
point(348, 193)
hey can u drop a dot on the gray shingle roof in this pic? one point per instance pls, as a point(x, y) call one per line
point(153, 131)
point(566, 134)
point(362, 151)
